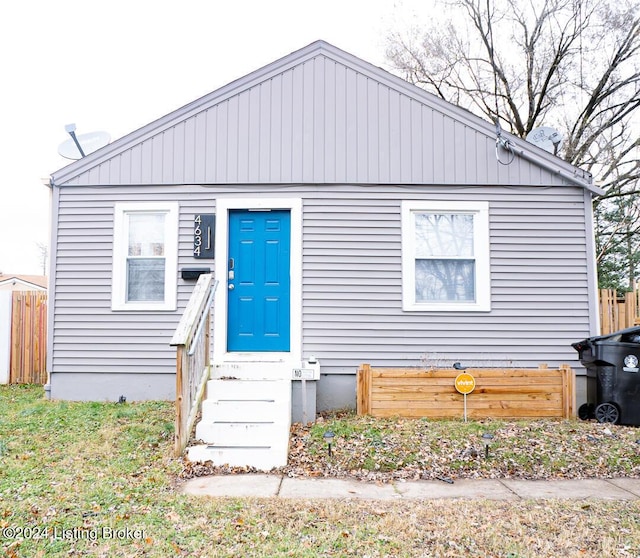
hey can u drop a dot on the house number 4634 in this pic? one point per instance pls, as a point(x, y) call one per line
point(203, 236)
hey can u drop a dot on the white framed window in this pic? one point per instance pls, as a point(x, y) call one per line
point(145, 256)
point(445, 256)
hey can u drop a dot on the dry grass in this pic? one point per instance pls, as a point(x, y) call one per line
point(383, 450)
point(439, 528)
point(80, 469)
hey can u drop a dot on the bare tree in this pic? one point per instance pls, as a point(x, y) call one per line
point(617, 228)
point(43, 250)
point(570, 64)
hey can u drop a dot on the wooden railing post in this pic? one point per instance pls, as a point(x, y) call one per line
point(568, 391)
point(179, 431)
point(363, 400)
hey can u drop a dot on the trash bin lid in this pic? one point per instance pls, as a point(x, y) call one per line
point(627, 335)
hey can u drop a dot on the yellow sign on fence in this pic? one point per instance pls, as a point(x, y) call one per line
point(465, 383)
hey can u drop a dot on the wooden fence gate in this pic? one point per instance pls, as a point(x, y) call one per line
point(28, 346)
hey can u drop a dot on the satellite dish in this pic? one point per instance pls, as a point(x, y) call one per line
point(545, 137)
point(78, 146)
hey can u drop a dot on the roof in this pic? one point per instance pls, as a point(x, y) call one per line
point(317, 115)
point(38, 281)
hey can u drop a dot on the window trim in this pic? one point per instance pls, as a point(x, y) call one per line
point(480, 212)
point(120, 250)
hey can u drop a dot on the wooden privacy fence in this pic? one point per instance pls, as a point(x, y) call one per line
point(28, 360)
point(499, 393)
point(618, 311)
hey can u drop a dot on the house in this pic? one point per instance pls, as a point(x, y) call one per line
point(9, 282)
point(373, 221)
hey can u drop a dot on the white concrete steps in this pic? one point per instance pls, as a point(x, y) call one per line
point(245, 422)
point(248, 410)
point(229, 434)
point(260, 458)
point(252, 370)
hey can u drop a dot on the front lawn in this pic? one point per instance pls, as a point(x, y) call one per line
point(99, 479)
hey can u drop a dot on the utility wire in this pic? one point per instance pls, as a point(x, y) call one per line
point(500, 141)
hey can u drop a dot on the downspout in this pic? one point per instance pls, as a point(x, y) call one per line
point(592, 268)
point(54, 202)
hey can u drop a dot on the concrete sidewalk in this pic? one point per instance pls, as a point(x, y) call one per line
point(270, 486)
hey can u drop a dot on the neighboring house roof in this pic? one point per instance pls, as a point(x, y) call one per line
point(319, 115)
point(28, 282)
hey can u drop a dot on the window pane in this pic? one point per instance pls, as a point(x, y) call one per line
point(146, 234)
point(445, 281)
point(145, 279)
point(440, 235)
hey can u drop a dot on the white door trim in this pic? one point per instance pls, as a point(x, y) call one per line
point(223, 206)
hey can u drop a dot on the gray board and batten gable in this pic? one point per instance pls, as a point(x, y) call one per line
point(351, 141)
point(317, 116)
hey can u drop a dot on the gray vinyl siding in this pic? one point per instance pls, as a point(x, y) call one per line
point(352, 282)
point(323, 117)
point(353, 285)
point(87, 335)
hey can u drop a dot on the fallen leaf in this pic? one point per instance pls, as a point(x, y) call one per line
point(173, 517)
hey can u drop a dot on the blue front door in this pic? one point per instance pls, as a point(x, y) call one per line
point(259, 281)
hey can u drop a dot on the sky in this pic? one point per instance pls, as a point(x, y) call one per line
point(116, 65)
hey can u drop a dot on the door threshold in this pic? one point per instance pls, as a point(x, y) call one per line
point(256, 357)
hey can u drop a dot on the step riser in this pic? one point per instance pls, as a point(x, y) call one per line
point(247, 389)
point(246, 411)
point(237, 434)
point(261, 459)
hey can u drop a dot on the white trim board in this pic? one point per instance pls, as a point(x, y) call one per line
point(6, 302)
point(121, 210)
point(223, 206)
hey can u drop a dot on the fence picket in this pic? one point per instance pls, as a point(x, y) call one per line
point(28, 360)
point(617, 312)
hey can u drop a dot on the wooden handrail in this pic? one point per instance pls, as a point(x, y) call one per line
point(191, 340)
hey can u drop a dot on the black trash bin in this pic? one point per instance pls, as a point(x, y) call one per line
point(613, 376)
